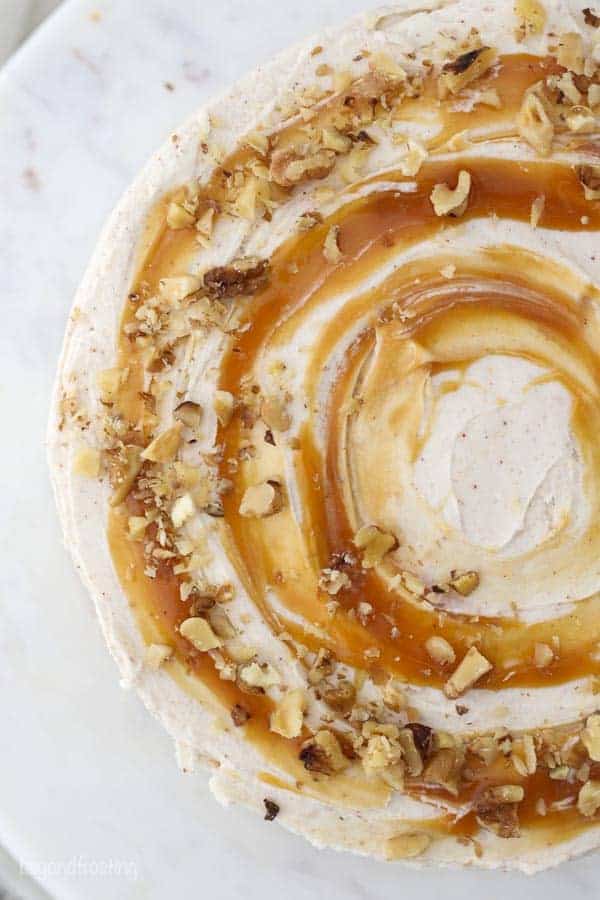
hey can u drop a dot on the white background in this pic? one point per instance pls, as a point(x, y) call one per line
point(85, 773)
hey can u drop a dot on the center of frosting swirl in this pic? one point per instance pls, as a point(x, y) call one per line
point(499, 461)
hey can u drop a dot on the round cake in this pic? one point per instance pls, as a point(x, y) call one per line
point(325, 436)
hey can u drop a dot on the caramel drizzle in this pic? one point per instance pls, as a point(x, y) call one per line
point(371, 230)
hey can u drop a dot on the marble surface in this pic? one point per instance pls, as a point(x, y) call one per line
point(91, 802)
point(18, 19)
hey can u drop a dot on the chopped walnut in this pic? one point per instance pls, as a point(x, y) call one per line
point(532, 18)
point(157, 654)
point(374, 543)
point(588, 800)
point(443, 770)
point(109, 381)
point(286, 718)
point(497, 815)
point(239, 715)
point(465, 69)
point(591, 18)
point(87, 462)
point(274, 414)
point(506, 793)
point(332, 581)
point(537, 208)
point(413, 155)
point(543, 655)
point(570, 52)
point(464, 582)
point(340, 696)
point(472, 667)
point(322, 667)
point(199, 633)
point(452, 202)
point(580, 119)
point(331, 249)
point(323, 754)
point(123, 470)
point(534, 125)
point(382, 749)
point(189, 414)
point(179, 217)
point(177, 288)
point(523, 755)
point(182, 510)
point(423, 738)
point(261, 500)
point(394, 695)
point(407, 845)
point(412, 584)
point(164, 447)
point(271, 809)
point(589, 177)
point(136, 527)
point(289, 167)
point(242, 276)
point(410, 752)
point(440, 650)
point(223, 405)
point(258, 676)
point(590, 737)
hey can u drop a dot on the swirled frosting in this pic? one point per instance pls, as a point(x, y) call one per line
point(348, 441)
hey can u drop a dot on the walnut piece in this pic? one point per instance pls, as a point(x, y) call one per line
point(543, 655)
point(274, 414)
point(323, 754)
point(464, 582)
point(242, 276)
point(179, 217)
point(239, 715)
point(182, 510)
point(440, 650)
point(374, 543)
point(463, 70)
point(199, 633)
point(258, 676)
point(407, 845)
point(331, 249)
point(339, 696)
point(496, 815)
point(570, 52)
point(223, 406)
point(534, 124)
point(157, 654)
point(123, 472)
point(332, 581)
point(271, 809)
point(589, 177)
point(452, 201)
point(164, 447)
point(286, 718)
point(590, 737)
point(87, 462)
point(588, 800)
point(472, 667)
point(532, 18)
point(261, 500)
point(188, 413)
point(443, 770)
point(289, 167)
point(591, 18)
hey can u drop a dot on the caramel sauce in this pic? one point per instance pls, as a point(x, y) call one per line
point(371, 231)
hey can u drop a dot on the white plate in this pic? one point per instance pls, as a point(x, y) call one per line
point(91, 801)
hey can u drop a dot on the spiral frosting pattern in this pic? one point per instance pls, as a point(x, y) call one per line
point(352, 443)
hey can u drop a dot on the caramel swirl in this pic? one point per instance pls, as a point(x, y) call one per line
point(403, 462)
